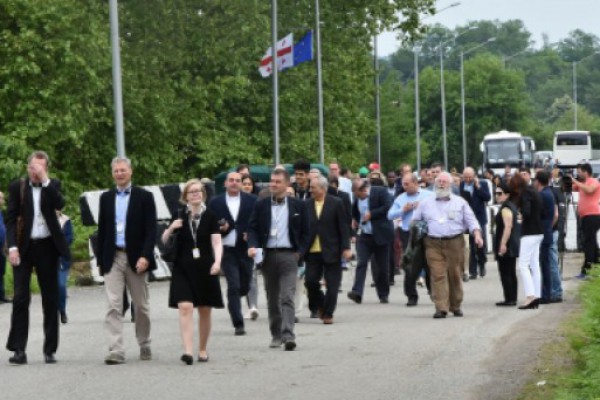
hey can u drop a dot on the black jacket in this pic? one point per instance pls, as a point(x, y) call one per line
point(218, 205)
point(331, 226)
point(380, 202)
point(140, 229)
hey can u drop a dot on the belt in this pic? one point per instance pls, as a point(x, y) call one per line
point(120, 248)
point(279, 249)
point(445, 237)
point(38, 240)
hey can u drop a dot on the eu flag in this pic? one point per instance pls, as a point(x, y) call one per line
point(303, 49)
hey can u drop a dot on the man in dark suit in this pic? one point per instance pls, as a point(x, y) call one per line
point(329, 240)
point(279, 225)
point(126, 239)
point(233, 210)
point(369, 213)
point(477, 194)
point(34, 239)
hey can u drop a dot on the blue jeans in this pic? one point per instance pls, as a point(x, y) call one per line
point(63, 277)
point(556, 286)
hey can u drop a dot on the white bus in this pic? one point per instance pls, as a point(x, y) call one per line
point(570, 147)
point(506, 148)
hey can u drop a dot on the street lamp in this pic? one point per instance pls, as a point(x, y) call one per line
point(443, 93)
point(462, 94)
point(575, 88)
point(506, 58)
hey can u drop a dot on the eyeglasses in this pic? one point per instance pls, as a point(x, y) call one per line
point(194, 191)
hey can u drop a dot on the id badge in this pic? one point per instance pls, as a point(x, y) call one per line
point(195, 253)
point(442, 220)
point(273, 232)
point(120, 227)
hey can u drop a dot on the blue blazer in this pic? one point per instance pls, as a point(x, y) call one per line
point(218, 205)
point(380, 202)
point(260, 224)
point(478, 201)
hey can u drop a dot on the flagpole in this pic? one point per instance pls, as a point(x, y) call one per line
point(274, 67)
point(116, 74)
point(320, 84)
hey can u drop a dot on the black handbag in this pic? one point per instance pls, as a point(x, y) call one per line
point(169, 251)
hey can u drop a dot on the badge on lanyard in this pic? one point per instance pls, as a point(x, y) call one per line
point(273, 232)
point(196, 253)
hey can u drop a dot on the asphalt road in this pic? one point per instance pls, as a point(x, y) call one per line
point(372, 351)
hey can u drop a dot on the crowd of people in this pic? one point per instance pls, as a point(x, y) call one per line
point(298, 232)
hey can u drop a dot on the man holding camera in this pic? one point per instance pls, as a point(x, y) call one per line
point(589, 212)
point(233, 209)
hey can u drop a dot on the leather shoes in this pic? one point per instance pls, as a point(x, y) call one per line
point(289, 345)
point(63, 318)
point(412, 302)
point(49, 358)
point(19, 358)
point(440, 314)
point(240, 331)
point(187, 359)
point(355, 297)
point(384, 300)
point(458, 313)
point(506, 303)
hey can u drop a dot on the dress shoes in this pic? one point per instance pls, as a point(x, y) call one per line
point(482, 271)
point(50, 358)
point(240, 331)
point(384, 300)
point(289, 345)
point(187, 359)
point(412, 302)
point(458, 313)
point(19, 358)
point(440, 314)
point(63, 318)
point(506, 303)
point(355, 297)
point(327, 320)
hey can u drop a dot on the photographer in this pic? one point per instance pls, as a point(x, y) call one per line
point(589, 212)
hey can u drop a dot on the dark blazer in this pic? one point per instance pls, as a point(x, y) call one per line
point(478, 200)
point(51, 200)
point(140, 229)
point(331, 227)
point(260, 224)
point(345, 197)
point(380, 202)
point(218, 205)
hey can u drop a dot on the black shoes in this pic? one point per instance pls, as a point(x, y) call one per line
point(384, 300)
point(482, 271)
point(506, 303)
point(533, 304)
point(458, 313)
point(556, 300)
point(5, 300)
point(440, 314)
point(412, 302)
point(63, 318)
point(472, 277)
point(240, 331)
point(355, 297)
point(49, 358)
point(289, 345)
point(19, 358)
point(187, 359)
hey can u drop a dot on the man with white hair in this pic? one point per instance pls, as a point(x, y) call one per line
point(447, 217)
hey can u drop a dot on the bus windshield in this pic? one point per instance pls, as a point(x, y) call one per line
point(503, 151)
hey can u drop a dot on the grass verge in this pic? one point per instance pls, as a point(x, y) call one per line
point(569, 366)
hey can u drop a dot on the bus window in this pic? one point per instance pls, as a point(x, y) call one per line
point(572, 140)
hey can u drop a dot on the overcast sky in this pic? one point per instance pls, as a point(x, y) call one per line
point(556, 18)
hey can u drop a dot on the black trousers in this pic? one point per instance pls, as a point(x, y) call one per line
point(411, 275)
point(316, 269)
point(237, 267)
point(477, 256)
point(507, 266)
point(43, 255)
point(589, 226)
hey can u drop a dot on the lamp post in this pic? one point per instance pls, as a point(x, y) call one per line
point(505, 59)
point(462, 95)
point(116, 75)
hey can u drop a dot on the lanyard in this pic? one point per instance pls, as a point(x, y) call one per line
point(194, 228)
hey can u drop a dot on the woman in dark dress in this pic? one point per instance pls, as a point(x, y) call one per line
point(195, 278)
point(506, 243)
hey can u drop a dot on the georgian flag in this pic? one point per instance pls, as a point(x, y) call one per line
point(285, 57)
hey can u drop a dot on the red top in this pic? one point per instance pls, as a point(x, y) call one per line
point(588, 203)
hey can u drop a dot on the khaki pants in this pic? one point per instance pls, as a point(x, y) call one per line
point(446, 260)
point(122, 275)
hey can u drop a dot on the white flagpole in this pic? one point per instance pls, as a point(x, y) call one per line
point(116, 74)
point(319, 84)
point(274, 67)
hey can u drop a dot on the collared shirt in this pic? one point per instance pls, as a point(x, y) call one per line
point(363, 207)
point(233, 203)
point(446, 218)
point(279, 236)
point(469, 187)
point(346, 187)
point(316, 246)
point(121, 206)
point(39, 230)
point(397, 209)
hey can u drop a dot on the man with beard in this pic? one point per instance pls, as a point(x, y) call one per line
point(447, 217)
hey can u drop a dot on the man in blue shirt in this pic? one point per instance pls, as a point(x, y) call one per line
point(402, 209)
point(549, 217)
